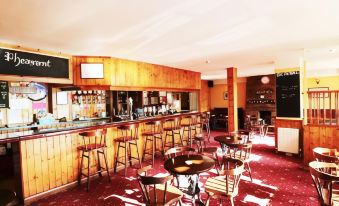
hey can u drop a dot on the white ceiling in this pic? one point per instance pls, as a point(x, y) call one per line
point(248, 34)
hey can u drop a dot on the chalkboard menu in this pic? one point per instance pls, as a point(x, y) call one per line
point(4, 92)
point(20, 63)
point(288, 94)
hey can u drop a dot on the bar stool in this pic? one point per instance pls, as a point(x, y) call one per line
point(93, 141)
point(152, 134)
point(205, 122)
point(189, 123)
point(203, 149)
point(128, 136)
point(8, 197)
point(171, 128)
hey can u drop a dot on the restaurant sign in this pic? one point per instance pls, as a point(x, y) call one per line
point(20, 63)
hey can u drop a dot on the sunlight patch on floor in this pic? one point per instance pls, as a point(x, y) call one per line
point(161, 175)
point(255, 157)
point(131, 178)
point(259, 201)
point(258, 182)
point(128, 201)
point(129, 191)
point(269, 141)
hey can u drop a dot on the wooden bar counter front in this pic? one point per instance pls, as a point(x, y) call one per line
point(50, 160)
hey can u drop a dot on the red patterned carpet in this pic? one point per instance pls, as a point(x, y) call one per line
point(277, 180)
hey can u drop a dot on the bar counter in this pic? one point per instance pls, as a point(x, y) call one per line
point(16, 136)
point(49, 158)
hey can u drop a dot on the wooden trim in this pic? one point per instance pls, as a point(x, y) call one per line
point(124, 88)
point(290, 118)
point(35, 51)
point(287, 70)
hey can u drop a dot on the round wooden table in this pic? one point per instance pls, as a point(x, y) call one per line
point(190, 165)
point(229, 141)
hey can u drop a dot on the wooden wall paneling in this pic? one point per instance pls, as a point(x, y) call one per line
point(51, 163)
point(118, 73)
point(63, 159)
point(69, 157)
point(37, 164)
point(306, 143)
point(319, 136)
point(44, 163)
point(76, 141)
point(314, 136)
point(126, 73)
point(24, 169)
point(204, 96)
point(31, 167)
point(57, 161)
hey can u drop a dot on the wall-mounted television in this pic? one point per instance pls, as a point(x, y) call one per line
point(92, 71)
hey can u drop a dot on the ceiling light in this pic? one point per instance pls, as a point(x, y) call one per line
point(332, 50)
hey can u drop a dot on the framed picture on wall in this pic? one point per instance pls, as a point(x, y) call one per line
point(61, 98)
point(225, 95)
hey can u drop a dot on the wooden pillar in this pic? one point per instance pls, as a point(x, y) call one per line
point(232, 89)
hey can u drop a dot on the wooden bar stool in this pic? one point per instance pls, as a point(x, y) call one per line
point(8, 197)
point(171, 128)
point(205, 150)
point(128, 136)
point(205, 122)
point(189, 123)
point(93, 141)
point(152, 134)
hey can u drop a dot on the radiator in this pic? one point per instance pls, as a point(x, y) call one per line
point(288, 140)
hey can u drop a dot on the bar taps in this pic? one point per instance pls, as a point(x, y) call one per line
point(130, 103)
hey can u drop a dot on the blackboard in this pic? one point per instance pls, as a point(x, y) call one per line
point(4, 92)
point(20, 63)
point(288, 94)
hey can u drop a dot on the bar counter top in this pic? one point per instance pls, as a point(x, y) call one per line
point(50, 132)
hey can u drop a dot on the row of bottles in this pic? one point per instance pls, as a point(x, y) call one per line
point(89, 97)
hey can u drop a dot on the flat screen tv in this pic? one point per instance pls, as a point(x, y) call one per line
point(92, 71)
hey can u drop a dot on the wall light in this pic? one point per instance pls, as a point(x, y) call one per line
point(317, 81)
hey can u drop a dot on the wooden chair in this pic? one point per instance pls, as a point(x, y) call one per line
point(323, 175)
point(225, 186)
point(152, 134)
point(325, 155)
point(156, 190)
point(93, 141)
point(174, 151)
point(242, 152)
point(128, 136)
